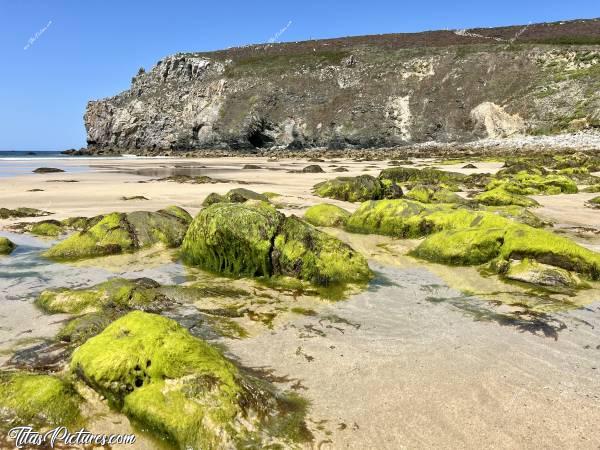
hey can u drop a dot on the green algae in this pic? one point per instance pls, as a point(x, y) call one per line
point(425, 194)
point(38, 401)
point(351, 189)
point(117, 293)
point(593, 202)
point(426, 176)
point(6, 246)
point(121, 233)
point(180, 387)
point(499, 196)
point(303, 252)
point(519, 214)
point(526, 183)
point(529, 271)
point(326, 215)
point(233, 239)
point(51, 228)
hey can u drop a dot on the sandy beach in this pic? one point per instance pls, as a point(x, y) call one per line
point(417, 360)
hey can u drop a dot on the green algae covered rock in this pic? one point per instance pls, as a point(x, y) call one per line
point(528, 271)
point(463, 247)
point(501, 197)
point(37, 401)
point(525, 183)
point(179, 387)
point(303, 252)
point(234, 239)
point(425, 194)
point(351, 189)
point(519, 214)
point(593, 203)
point(256, 240)
point(6, 246)
point(410, 219)
point(120, 233)
point(213, 198)
point(482, 243)
point(143, 294)
point(6, 213)
point(326, 215)
point(51, 228)
point(426, 176)
point(238, 195)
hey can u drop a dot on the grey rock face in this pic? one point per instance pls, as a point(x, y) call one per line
point(372, 91)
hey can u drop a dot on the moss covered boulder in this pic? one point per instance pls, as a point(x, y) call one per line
point(6, 246)
point(50, 228)
point(303, 252)
point(119, 233)
point(351, 189)
point(232, 238)
point(6, 213)
point(256, 240)
point(525, 183)
point(481, 243)
point(427, 176)
point(326, 215)
point(501, 197)
point(180, 387)
point(118, 293)
point(425, 194)
point(37, 400)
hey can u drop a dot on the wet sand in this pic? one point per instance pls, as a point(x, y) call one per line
point(409, 363)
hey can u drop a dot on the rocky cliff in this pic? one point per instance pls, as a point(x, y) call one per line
point(370, 91)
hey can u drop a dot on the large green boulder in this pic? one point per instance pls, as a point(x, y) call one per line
point(501, 197)
point(180, 387)
point(427, 176)
point(256, 240)
point(28, 399)
point(6, 246)
point(232, 238)
point(526, 183)
point(351, 189)
point(124, 232)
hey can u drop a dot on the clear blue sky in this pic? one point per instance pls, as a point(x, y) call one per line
point(92, 48)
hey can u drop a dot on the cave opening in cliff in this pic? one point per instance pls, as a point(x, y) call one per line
point(257, 133)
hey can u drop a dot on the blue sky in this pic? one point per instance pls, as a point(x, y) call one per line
point(91, 49)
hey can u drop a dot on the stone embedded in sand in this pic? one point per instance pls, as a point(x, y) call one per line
point(351, 189)
point(119, 293)
point(6, 246)
point(6, 213)
point(47, 170)
point(593, 203)
point(179, 387)
point(257, 240)
point(38, 400)
point(314, 168)
point(326, 215)
point(529, 271)
point(301, 251)
point(241, 195)
point(119, 233)
point(501, 197)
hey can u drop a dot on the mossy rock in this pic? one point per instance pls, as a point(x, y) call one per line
point(528, 271)
point(213, 198)
point(420, 193)
point(120, 233)
point(426, 176)
point(351, 189)
point(425, 194)
point(50, 228)
point(501, 197)
point(80, 329)
point(241, 195)
point(519, 214)
point(81, 223)
point(525, 183)
point(6, 213)
point(6, 246)
point(119, 293)
point(593, 203)
point(326, 215)
point(178, 386)
point(301, 251)
point(463, 247)
point(39, 401)
point(511, 241)
point(594, 188)
point(231, 238)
